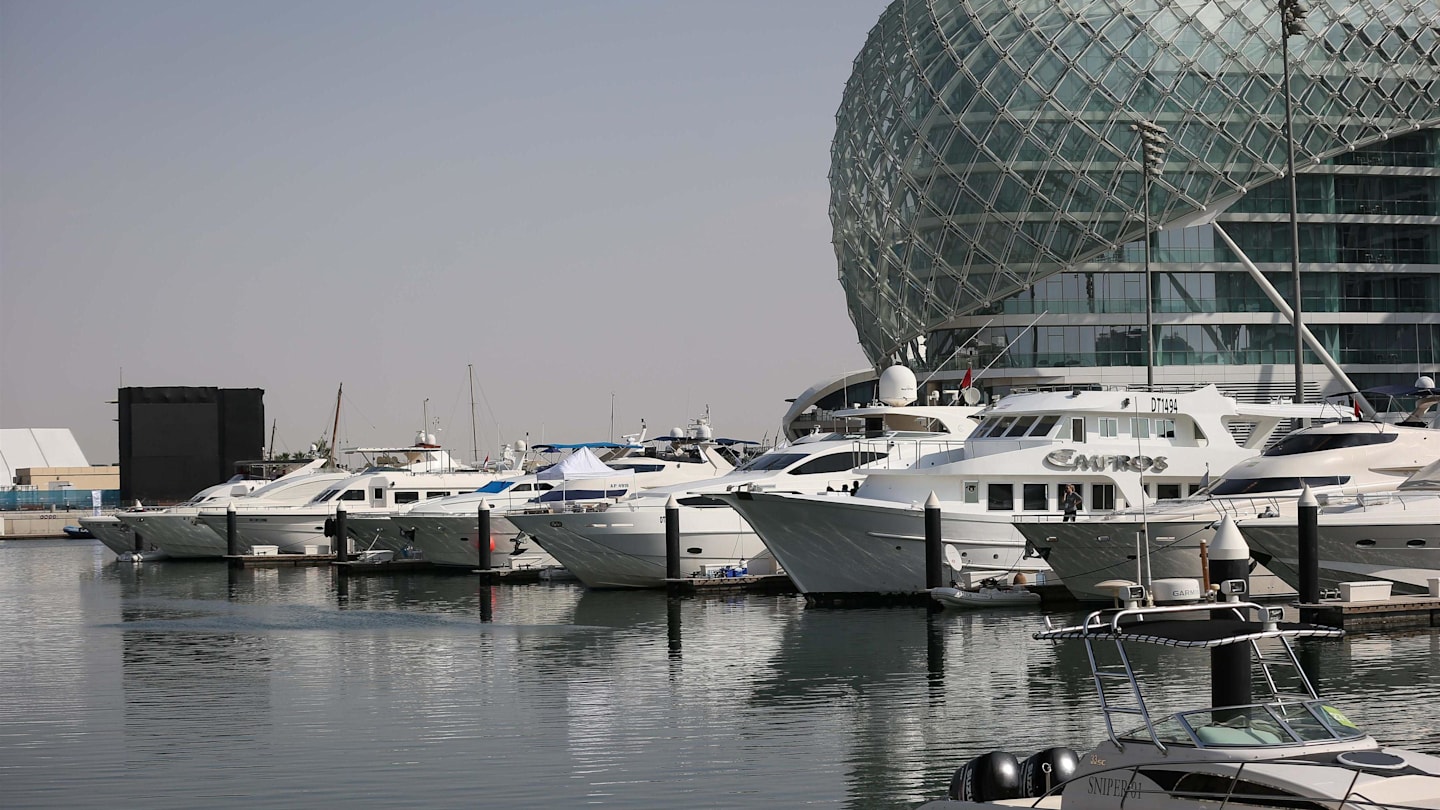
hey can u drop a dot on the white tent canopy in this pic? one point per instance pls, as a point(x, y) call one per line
point(583, 463)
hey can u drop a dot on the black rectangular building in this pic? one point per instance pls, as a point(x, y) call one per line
point(176, 441)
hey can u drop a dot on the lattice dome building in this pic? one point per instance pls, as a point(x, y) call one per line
point(987, 190)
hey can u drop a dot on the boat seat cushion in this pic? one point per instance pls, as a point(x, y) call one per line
point(1225, 735)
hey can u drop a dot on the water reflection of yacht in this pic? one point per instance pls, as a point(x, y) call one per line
point(1292, 749)
point(1336, 460)
point(1116, 448)
point(1390, 535)
point(622, 545)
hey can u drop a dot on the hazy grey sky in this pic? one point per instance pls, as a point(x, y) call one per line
point(580, 198)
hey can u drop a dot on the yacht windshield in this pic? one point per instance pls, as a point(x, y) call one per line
point(1256, 486)
point(773, 461)
point(1315, 442)
point(1255, 726)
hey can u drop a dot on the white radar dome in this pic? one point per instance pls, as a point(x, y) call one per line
point(520, 446)
point(704, 432)
point(897, 386)
point(677, 433)
point(1425, 383)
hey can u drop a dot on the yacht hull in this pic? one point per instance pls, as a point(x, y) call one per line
point(619, 548)
point(290, 531)
point(845, 544)
point(1407, 555)
point(452, 540)
point(178, 534)
point(1087, 553)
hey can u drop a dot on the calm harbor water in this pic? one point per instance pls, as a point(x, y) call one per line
point(177, 685)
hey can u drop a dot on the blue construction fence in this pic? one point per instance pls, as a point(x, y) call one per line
point(17, 500)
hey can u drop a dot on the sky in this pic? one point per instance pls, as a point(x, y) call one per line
point(602, 206)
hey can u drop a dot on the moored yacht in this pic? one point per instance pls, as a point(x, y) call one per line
point(447, 532)
point(622, 545)
point(1388, 535)
point(427, 472)
point(1160, 541)
point(181, 534)
point(117, 536)
point(1116, 448)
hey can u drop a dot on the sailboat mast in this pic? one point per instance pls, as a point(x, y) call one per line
point(335, 430)
point(269, 454)
point(474, 438)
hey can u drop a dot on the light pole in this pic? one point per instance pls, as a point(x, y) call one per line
point(1291, 13)
point(1154, 140)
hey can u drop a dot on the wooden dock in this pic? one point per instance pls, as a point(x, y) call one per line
point(1395, 613)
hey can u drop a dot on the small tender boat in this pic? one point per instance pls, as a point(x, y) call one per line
point(1292, 750)
point(991, 593)
point(78, 533)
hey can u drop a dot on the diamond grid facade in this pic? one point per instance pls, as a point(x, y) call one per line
point(985, 146)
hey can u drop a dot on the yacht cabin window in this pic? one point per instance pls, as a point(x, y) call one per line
point(1003, 427)
point(1167, 491)
point(1021, 426)
point(1077, 429)
point(1045, 425)
point(1109, 427)
point(356, 495)
point(1037, 497)
point(1164, 428)
point(1079, 489)
point(406, 497)
point(837, 462)
point(379, 494)
point(1140, 427)
point(971, 491)
point(445, 494)
point(1102, 497)
point(1000, 497)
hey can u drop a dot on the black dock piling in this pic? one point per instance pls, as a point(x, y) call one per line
point(1307, 520)
point(672, 538)
point(1230, 663)
point(482, 540)
point(934, 556)
point(139, 542)
point(341, 539)
point(232, 535)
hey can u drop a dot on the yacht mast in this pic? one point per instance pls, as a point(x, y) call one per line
point(335, 430)
point(474, 438)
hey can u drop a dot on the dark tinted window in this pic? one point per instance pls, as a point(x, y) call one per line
point(1046, 424)
point(1312, 442)
point(1036, 497)
point(357, 495)
point(774, 461)
point(1021, 426)
point(407, 497)
point(836, 462)
point(1000, 497)
point(1255, 486)
point(701, 500)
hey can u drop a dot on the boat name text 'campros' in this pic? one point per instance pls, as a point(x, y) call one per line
point(1069, 459)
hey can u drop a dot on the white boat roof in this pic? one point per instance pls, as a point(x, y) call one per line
point(583, 463)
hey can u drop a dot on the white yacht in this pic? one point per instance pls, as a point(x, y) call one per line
point(622, 545)
point(1290, 749)
point(1163, 540)
point(145, 527)
point(1117, 448)
point(446, 532)
point(179, 533)
point(427, 472)
point(1391, 535)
